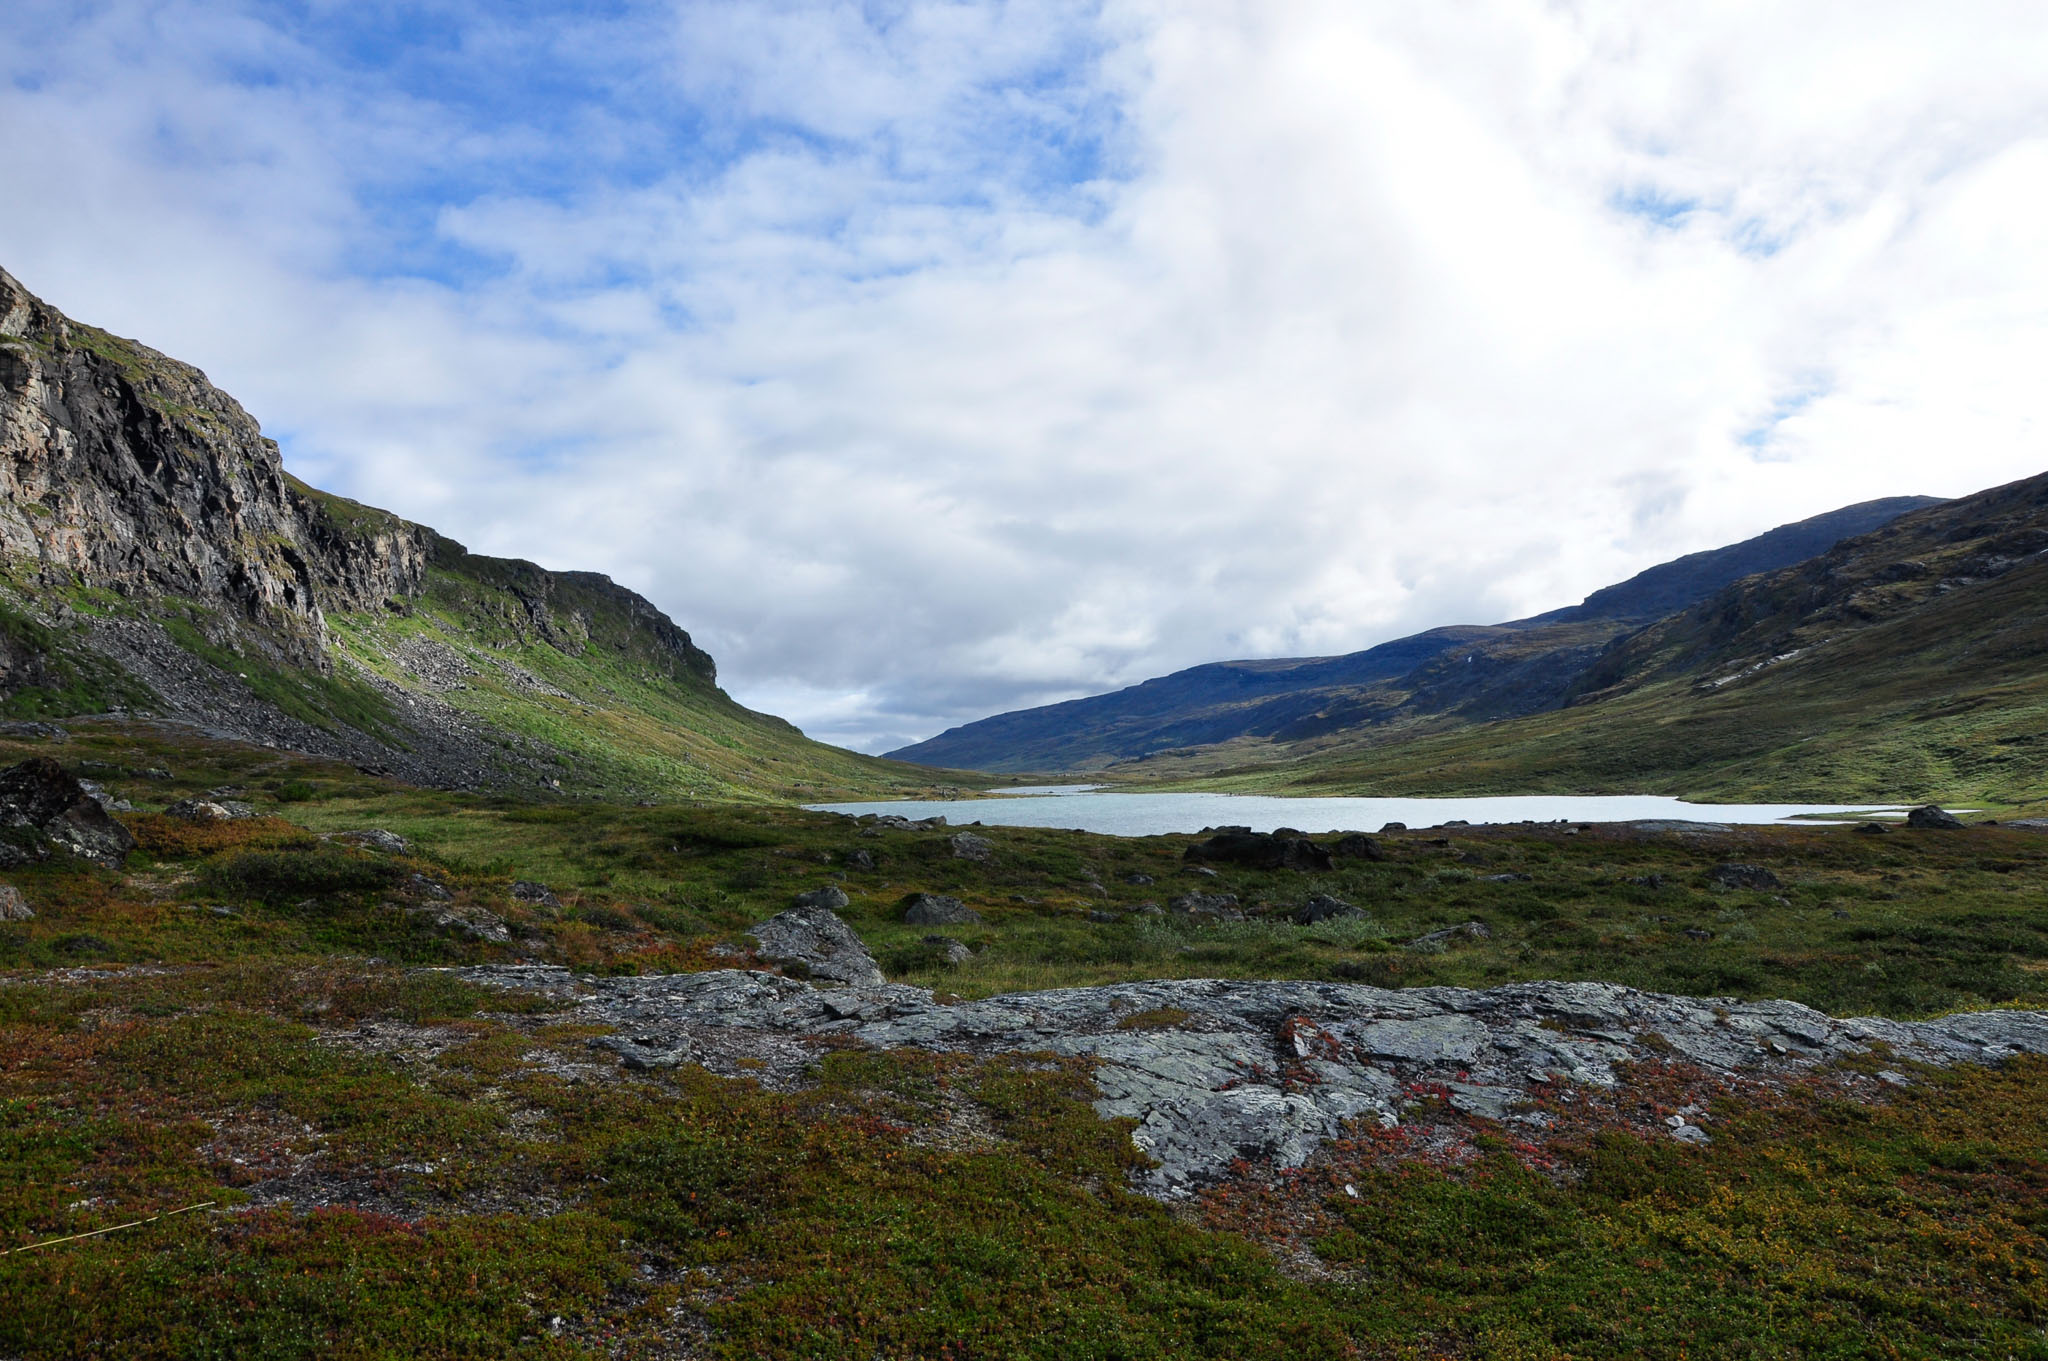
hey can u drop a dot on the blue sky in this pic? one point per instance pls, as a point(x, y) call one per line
point(931, 358)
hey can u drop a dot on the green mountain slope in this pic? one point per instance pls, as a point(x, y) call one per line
point(156, 560)
point(1906, 663)
point(1472, 672)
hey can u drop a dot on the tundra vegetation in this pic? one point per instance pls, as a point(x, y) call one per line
point(249, 1017)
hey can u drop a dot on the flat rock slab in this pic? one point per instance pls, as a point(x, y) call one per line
point(1270, 1070)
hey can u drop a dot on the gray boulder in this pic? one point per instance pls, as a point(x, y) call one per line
point(1436, 940)
point(1322, 908)
point(527, 891)
point(955, 951)
point(935, 909)
point(14, 907)
point(46, 806)
point(968, 846)
point(1211, 906)
point(1934, 817)
point(831, 898)
point(1259, 850)
point(210, 810)
point(1742, 876)
point(377, 839)
point(817, 942)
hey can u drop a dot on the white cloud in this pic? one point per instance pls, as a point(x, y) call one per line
point(930, 358)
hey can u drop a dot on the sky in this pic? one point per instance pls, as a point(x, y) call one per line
point(932, 358)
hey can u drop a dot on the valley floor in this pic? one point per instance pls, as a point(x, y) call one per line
point(405, 1129)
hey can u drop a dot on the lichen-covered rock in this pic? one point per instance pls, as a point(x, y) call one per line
point(14, 907)
point(209, 810)
point(1742, 876)
point(1322, 907)
point(377, 839)
point(539, 895)
point(830, 898)
point(38, 799)
point(968, 846)
point(1269, 1070)
point(814, 940)
point(936, 909)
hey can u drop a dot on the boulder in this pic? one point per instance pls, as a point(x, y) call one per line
point(377, 839)
point(859, 859)
point(1359, 846)
point(936, 909)
point(1934, 817)
point(1322, 908)
point(38, 798)
point(954, 951)
point(1872, 829)
point(470, 923)
point(209, 810)
point(1742, 876)
point(831, 898)
point(1138, 877)
point(527, 891)
point(14, 907)
point(817, 942)
point(1393, 827)
point(968, 846)
point(1260, 850)
point(1438, 939)
point(1215, 906)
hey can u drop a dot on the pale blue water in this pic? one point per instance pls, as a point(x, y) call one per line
point(1082, 808)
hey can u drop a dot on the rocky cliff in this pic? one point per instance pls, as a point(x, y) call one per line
point(156, 559)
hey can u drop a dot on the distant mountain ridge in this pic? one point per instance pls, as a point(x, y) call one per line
point(1479, 671)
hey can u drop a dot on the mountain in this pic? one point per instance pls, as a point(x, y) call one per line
point(1476, 672)
point(1907, 663)
point(157, 562)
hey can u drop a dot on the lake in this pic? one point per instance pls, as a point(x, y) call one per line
point(1087, 809)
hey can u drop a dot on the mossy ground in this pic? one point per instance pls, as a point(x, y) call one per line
point(210, 1024)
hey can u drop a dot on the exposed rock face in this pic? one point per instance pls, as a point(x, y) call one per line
point(821, 944)
point(131, 470)
point(1265, 1070)
point(45, 806)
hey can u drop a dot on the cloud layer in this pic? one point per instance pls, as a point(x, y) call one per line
point(929, 358)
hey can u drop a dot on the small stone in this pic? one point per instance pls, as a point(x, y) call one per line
point(1872, 829)
point(1134, 877)
point(1474, 930)
point(860, 858)
point(419, 886)
point(1691, 1134)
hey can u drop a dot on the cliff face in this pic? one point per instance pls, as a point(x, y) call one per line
point(257, 606)
point(126, 470)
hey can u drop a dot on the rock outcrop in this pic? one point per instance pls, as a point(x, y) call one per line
point(41, 807)
point(1269, 1070)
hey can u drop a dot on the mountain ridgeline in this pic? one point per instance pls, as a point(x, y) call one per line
point(156, 561)
point(1471, 673)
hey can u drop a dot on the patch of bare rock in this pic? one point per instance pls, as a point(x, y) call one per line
point(1264, 1071)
